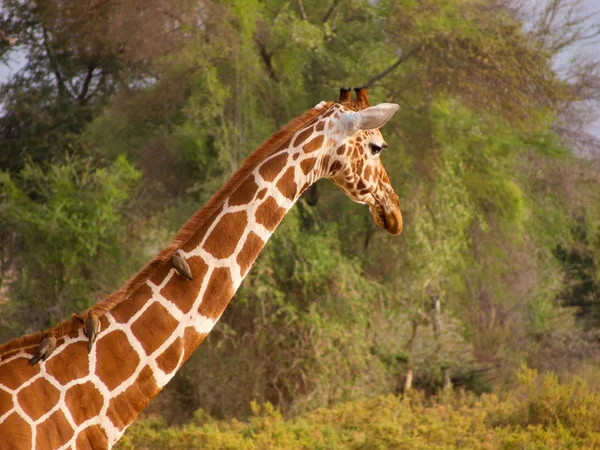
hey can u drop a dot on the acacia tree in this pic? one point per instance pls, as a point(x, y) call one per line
point(78, 53)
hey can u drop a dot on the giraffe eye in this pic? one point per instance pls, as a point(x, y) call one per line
point(375, 148)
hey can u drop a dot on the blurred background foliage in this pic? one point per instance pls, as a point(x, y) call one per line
point(129, 114)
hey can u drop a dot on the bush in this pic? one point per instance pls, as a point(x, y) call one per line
point(543, 414)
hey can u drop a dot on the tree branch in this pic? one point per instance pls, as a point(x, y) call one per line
point(99, 84)
point(302, 12)
point(81, 98)
point(266, 57)
point(59, 81)
point(390, 69)
point(330, 11)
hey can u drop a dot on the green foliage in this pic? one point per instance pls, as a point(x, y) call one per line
point(501, 217)
point(70, 220)
point(544, 413)
point(479, 53)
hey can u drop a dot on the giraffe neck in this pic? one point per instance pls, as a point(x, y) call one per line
point(74, 398)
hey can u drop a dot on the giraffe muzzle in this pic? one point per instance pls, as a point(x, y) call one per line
point(387, 215)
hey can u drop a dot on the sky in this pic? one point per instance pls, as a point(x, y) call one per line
point(17, 58)
point(15, 63)
point(589, 7)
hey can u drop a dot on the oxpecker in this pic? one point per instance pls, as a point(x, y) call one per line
point(91, 326)
point(181, 266)
point(45, 348)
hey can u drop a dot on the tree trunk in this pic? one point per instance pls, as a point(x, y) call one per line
point(447, 380)
point(436, 322)
point(408, 381)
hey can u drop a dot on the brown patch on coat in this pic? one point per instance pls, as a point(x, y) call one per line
point(226, 234)
point(313, 145)
point(218, 293)
point(283, 147)
point(15, 372)
point(154, 327)
point(286, 184)
point(125, 407)
point(161, 273)
point(335, 167)
point(103, 323)
point(61, 366)
point(384, 177)
point(169, 359)
point(5, 402)
point(307, 165)
point(245, 193)
point(261, 194)
point(183, 293)
point(117, 358)
point(359, 166)
point(367, 173)
point(249, 252)
point(84, 401)
point(92, 437)
point(341, 149)
point(15, 432)
point(361, 185)
point(320, 126)
point(191, 340)
point(126, 310)
point(295, 156)
point(38, 398)
point(53, 432)
point(303, 136)
point(273, 167)
point(325, 163)
point(197, 238)
point(74, 334)
point(269, 214)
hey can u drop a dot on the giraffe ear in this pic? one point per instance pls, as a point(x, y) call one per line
point(369, 118)
point(375, 116)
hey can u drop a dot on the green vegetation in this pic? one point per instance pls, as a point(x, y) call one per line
point(128, 115)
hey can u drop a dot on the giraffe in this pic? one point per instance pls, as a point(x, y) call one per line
point(78, 399)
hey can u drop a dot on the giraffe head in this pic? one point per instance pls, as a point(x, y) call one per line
point(357, 168)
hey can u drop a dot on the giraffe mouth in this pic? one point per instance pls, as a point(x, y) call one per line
point(388, 219)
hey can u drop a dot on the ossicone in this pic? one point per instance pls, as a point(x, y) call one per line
point(345, 95)
point(361, 97)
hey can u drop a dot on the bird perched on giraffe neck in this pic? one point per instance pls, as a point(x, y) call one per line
point(181, 266)
point(45, 349)
point(91, 327)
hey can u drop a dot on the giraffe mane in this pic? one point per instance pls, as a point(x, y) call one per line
point(269, 147)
